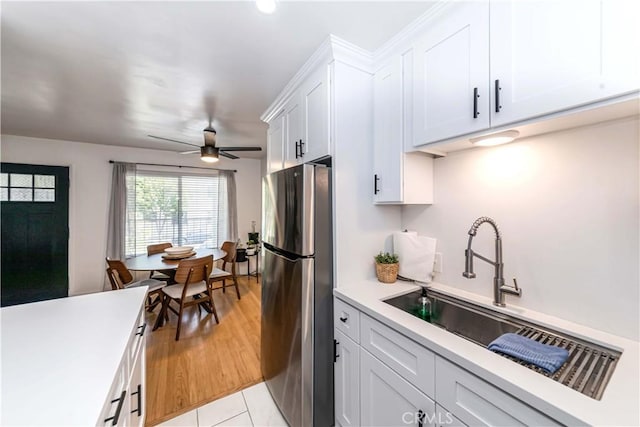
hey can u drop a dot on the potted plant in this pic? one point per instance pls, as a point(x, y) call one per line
point(387, 267)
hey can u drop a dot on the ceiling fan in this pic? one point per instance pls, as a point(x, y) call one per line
point(209, 152)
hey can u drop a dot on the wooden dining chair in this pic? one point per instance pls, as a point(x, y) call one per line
point(221, 274)
point(121, 278)
point(158, 248)
point(191, 289)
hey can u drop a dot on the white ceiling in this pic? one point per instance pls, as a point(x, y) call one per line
point(113, 72)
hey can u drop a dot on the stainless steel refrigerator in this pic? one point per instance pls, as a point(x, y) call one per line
point(297, 285)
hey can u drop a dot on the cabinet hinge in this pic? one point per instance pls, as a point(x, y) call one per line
point(335, 351)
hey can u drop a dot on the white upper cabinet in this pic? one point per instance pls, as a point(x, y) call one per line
point(275, 144)
point(621, 46)
point(487, 64)
point(315, 119)
point(293, 131)
point(387, 133)
point(398, 177)
point(451, 72)
point(545, 57)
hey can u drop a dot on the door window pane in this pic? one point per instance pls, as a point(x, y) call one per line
point(4, 194)
point(44, 195)
point(4, 179)
point(21, 180)
point(44, 181)
point(21, 194)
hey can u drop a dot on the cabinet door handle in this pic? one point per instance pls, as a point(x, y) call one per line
point(421, 416)
point(475, 103)
point(297, 149)
point(344, 319)
point(141, 329)
point(335, 350)
point(120, 400)
point(301, 150)
point(376, 190)
point(497, 89)
point(138, 392)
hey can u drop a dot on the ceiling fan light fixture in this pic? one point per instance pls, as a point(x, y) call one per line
point(495, 138)
point(209, 154)
point(266, 6)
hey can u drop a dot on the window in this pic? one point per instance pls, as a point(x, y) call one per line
point(180, 208)
point(18, 187)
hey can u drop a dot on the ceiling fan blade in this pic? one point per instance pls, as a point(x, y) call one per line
point(190, 152)
point(241, 148)
point(171, 140)
point(227, 155)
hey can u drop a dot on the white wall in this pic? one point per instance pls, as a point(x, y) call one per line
point(567, 204)
point(90, 176)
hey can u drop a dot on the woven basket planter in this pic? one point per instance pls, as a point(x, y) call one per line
point(387, 273)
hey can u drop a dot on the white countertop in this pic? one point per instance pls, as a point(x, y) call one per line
point(60, 357)
point(620, 403)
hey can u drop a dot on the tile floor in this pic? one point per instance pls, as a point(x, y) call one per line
point(250, 407)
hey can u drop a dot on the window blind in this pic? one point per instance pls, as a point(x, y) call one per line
point(183, 209)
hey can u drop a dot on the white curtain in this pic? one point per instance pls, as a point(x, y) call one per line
point(122, 194)
point(227, 208)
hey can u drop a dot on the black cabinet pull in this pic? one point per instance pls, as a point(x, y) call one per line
point(301, 151)
point(335, 351)
point(421, 416)
point(497, 92)
point(344, 319)
point(375, 184)
point(120, 400)
point(475, 103)
point(141, 329)
point(139, 394)
point(297, 150)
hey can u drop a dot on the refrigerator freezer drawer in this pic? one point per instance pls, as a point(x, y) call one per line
point(287, 342)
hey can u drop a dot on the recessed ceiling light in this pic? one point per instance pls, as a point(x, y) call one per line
point(495, 138)
point(266, 6)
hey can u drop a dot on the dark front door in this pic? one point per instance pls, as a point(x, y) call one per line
point(35, 233)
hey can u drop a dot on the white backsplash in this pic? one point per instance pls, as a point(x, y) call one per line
point(567, 205)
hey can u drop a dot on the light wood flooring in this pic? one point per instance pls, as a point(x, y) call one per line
point(210, 360)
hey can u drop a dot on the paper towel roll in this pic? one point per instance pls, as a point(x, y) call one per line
point(416, 254)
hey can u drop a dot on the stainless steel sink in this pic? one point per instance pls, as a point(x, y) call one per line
point(587, 370)
point(471, 322)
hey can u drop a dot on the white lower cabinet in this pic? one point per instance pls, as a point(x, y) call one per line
point(387, 379)
point(478, 403)
point(125, 405)
point(386, 399)
point(347, 381)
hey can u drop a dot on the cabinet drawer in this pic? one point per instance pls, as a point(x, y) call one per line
point(137, 339)
point(413, 362)
point(476, 402)
point(346, 319)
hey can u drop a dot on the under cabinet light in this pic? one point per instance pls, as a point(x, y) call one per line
point(495, 138)
point(266, 6)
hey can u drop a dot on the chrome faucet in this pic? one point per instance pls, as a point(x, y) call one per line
point(499, 288)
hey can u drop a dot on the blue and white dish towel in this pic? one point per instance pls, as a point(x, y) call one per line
point(548, 357)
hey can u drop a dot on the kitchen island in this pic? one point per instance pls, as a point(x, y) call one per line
point(74, 361)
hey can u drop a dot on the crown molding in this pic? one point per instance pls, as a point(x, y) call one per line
point(332, 48)
point(402, 41)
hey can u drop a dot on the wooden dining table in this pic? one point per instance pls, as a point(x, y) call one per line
point(158, 262)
